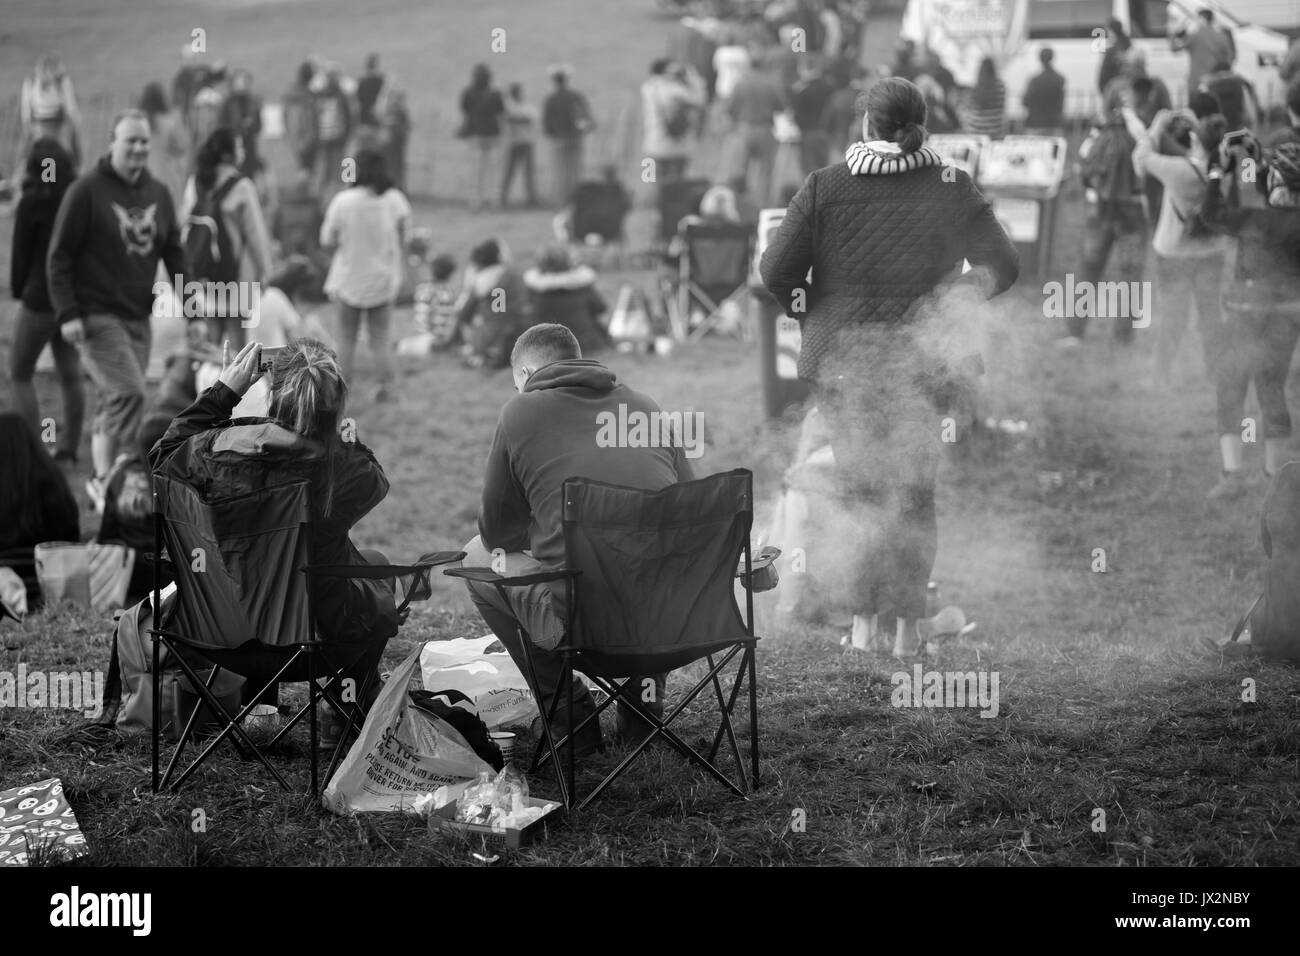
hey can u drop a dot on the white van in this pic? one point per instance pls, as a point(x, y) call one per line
point(962, 32)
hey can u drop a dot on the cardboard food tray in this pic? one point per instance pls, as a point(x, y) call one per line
point(511, 839)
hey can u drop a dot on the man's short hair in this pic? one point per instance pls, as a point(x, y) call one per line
point(1045, 55)
point(543, 344)
point(127, 114)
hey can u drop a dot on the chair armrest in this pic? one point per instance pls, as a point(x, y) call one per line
point(488, 576)
point(759, 561)
point(377, 571)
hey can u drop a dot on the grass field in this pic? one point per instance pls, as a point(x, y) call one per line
point(1103, 702)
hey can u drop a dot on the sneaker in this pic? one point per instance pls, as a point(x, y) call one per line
point(630, 729)
point(589, 739)
point(96, 490)
point(1230, 486)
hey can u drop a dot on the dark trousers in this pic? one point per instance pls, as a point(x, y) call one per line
point(520, 155)
point(885, 442)
point(32, 332)
point(1256, 346)
point(1115, 233)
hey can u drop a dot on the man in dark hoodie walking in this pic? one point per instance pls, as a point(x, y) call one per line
point(549, 432)
point(115, 224)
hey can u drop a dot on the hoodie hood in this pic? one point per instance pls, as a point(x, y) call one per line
point(577, 278)
point(881, 158)
point(573, 373)
point(260, 436)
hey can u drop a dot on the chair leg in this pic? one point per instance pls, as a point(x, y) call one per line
point(313, 697)
point(157, 705)
point(725, 708)
point(547, 714)
point(753, 714)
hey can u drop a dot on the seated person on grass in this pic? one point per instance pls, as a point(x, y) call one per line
point(547, 433)
point(299, 439)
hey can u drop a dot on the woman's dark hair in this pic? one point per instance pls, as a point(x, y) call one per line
point(153, 100)
point(896, 111)
point(306, 71)
point(987, 77)
point(486, 253)
point(218, 148)
point(372, 171)
point(33, 492)
point(1179, 135)
point(1211, 131)
point(49, 170)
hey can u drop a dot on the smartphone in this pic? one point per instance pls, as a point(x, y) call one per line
point(1235, 137)
point(268, 358)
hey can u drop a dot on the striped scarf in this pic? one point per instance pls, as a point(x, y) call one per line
point(879, 158)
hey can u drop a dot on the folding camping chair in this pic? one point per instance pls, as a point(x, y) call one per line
point(648, 585)
point(244, 605)
point(678, 199)
point(594, 220)
point(712, 271)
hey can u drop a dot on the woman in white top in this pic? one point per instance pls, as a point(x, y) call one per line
point(217, 169)
point(365, 230)
point(1189, 261)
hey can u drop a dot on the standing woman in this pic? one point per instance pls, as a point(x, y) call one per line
point(365, 230)
point(48, 107)
point(169, 142)
point(1261, 302)
point(986, 110)
point(482, 113)
point(217, 176)
point(49, 173)
point(882, 233)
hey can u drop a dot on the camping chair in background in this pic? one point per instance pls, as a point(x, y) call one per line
point(677, 200)
point(594, 222)
point(649, 581)
point(243, 604)
point(713, 271)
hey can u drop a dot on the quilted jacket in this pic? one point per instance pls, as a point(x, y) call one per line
point(876, 242)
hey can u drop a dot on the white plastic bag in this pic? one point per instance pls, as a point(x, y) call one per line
point(492, 681)
point(401, 755)
point(92, 576)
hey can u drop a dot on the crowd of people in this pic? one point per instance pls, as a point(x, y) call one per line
point(186, 185)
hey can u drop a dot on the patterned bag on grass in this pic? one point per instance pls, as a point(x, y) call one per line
point(37, 819)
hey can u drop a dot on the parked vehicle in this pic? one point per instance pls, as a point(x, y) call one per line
point(962, 32)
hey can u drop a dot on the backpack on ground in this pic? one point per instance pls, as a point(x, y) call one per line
point(128, 690)
point(209, 253)
point(1275, 618)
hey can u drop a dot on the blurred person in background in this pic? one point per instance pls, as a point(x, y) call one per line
point(217, 172)
point(1207, 44)
point(1118, 44)
point(35, 326)
point(1044, 98)
point(564, 292)
point(753, 108)
point(494, 306)
point(34, 498)
point(396, 120)
point(47, 107)
point(1290, 133)
point(566, 122)
point(482, 110)
point(986, 107)
point(370, 90)
point(669, 108)
point(169, 143)
point(1176, 150)
point(365, 230)
point(1261, 301)
point(808, 102)
point(299, 105)
point(521, 119)
point(242, 112)
point(334, 126)
point(1237, 100)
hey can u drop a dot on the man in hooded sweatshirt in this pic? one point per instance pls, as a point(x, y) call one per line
point(547, 433)
point(115, 224)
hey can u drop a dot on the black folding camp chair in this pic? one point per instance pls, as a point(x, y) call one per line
point(244, 604)
point(675, 201)
point(713, 270)
point(648, 579)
